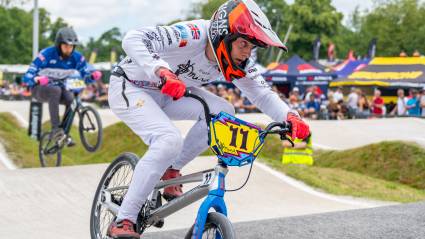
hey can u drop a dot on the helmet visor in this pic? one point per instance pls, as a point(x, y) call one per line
point(247, 19)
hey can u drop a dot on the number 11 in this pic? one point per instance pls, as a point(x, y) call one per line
point(235, 135)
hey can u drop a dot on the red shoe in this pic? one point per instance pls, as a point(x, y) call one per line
point(173, 191)
point(122, 230)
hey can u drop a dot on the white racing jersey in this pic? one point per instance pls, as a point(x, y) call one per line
point(181, 48)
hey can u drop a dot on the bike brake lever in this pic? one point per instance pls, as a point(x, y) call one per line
point(284, 137)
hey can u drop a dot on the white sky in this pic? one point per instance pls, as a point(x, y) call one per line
point(92, 18)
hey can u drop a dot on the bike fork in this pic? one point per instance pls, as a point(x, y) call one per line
point(214, 200)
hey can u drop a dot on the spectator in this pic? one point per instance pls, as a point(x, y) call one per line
point(400, 109)
point(342, 110)
point(377, 104)
point(352, 102)
point(422, 102)
point(338, 95)
point(222, 91)
point(413, 104)
point(89, 94)
point(296, 93)
point(333, 108)
point(212, 89)
point(416, 53)
point(312, 107)
point(248, 106)
point(280, 94)
point(403, 54)
point(294, 102)
point(307, 93)
point(364, 107)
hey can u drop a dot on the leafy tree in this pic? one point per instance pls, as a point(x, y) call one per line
point(8, 3)
point(313, 18)
point(397, 24)
point(16, 35)
point(54, 28)
point(108, 41)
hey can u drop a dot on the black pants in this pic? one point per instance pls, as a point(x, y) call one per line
point(53, 95)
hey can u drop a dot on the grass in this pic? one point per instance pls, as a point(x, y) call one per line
point(389, 171)
point(396, 161)
point(342, 182)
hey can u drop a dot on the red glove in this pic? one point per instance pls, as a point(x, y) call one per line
point(171, 85)
point(300, 129)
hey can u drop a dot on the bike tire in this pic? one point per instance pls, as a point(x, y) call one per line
point(97, 227)
point(95, 122)
point(48, 159)
point(218, 222)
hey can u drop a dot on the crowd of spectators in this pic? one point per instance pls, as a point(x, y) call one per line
point(313, 103)
point(234, 96)
point(94, 93)
point(13, 91)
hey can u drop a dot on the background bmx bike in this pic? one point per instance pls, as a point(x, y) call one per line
point(89, 126)
point(234, 141)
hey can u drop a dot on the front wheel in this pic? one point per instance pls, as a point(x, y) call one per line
point(90, 128)
point(217, 226)
point(49, 152)
point(115, 180)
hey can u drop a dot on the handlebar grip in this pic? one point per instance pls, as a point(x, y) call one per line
point(187, 93)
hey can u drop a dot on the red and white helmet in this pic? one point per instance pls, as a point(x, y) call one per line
point(239, 18)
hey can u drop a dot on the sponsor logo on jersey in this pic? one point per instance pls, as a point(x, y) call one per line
point(53, 61)
point(196, 33)
point(167, 33)
point(41, 57)
point(156, 57)
point(188, 70)
point(183, 34)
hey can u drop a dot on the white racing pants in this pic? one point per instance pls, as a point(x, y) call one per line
point(149, 115)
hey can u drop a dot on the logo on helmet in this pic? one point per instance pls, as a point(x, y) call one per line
point(220, 24)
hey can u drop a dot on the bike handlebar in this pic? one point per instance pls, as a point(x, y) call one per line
point(284, 127)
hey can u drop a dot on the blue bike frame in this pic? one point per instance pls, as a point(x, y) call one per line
point(214, 200)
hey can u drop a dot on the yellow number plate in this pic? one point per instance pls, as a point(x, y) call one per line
point(234, 138)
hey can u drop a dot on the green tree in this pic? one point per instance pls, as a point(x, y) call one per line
point(397, 24)
point(8, 3)
point(108, 41)
point(16, 35)
point(54, 28)
point(312, 19)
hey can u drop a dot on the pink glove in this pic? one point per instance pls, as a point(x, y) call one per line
point(96, 75)
point(42, 80)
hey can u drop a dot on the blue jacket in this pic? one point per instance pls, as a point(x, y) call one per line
point(50, 58)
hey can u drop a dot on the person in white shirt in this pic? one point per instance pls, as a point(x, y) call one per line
point(352, 102)
point(400, 109)
point(147, 88)
point(338, 95)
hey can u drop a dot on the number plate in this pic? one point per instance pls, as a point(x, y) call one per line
point(233, 140)
point(75, 84)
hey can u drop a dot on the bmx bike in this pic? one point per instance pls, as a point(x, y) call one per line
point(234, 141)
point(89, 126)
